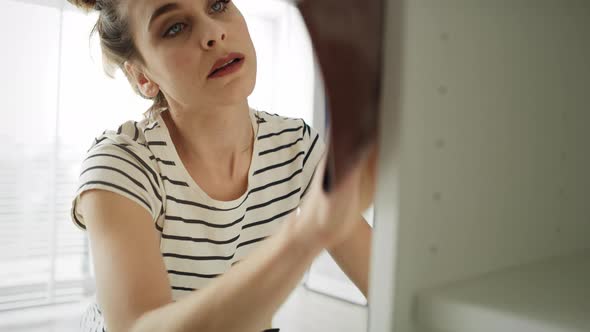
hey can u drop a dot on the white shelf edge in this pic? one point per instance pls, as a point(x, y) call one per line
point(546, 296)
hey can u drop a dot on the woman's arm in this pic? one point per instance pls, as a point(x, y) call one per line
point(353, 255)
point(246, 297)
point(134, 290)
point(132, 283)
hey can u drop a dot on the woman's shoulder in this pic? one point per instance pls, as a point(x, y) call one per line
point(120, 161)
point(290, 140)
point(130, 133)
point(276, 122)
point(130, 142)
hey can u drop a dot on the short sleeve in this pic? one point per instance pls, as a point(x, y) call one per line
point(314, 147)
point(122, 167)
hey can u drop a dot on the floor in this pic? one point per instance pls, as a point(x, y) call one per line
point(308, 311)
point(304, 311)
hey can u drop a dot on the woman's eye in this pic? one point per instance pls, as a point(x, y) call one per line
point(174, 30)
point(220, 6)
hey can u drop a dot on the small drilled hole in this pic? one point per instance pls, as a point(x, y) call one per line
point(433, 250)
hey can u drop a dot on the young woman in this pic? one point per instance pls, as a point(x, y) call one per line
point(173, 203)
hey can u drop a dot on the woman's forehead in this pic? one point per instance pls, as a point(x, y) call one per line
point(145, 11)
point(140, 12)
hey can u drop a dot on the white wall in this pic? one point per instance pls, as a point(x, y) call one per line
point(493, 162)
point(285, 82)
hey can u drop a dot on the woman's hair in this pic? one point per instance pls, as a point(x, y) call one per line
point(116, 43)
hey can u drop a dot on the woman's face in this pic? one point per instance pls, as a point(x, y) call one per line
point(181, 40)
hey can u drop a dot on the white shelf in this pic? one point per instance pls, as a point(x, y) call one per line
point(548, 296)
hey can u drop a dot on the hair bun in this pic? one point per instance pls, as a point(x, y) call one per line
point(87, 5)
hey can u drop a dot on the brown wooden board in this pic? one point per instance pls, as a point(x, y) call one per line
point(347, 39)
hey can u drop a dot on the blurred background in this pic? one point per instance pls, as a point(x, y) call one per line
point(482, 214)
point(56, 99)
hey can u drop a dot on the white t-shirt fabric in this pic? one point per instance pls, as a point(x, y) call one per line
point(200, 237)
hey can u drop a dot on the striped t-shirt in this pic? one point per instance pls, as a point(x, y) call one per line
point(201, 238)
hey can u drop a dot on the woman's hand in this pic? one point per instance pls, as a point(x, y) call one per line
point(329, 218)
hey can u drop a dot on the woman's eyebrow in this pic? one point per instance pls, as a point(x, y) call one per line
point(161, 11)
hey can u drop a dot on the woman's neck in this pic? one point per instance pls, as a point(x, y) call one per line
point(221, 135)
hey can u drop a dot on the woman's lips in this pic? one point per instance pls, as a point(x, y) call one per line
point(226, 65)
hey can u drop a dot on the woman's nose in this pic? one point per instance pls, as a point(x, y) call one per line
point(213, 36)
point(211, 43)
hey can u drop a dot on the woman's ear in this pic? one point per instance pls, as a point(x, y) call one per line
point(145, 85)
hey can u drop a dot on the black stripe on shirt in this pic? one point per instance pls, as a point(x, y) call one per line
point(146, 166)
point(278, 148)
point(204, 206)
point(260, 120)
point(213, 208)
point(178, 183)
point(198, 240)
point(276, 115)
point(165, 162)
point(317, 137)
point(198, 258)
point(187, 289)
point(117, 187)
point(262, 170)
point(96, 142)
point(251, 191)
point(265, 221)
point(120, 158)
point(134, 165)
point(280, 132)
point(118, 171)
point(76, 218)
point(158, 143)
point(276, 182)
point(250, 242)
point(79, 223)
point(274, 200)
point(309, 183)
point(194, 221)
point(136, 135)
point(203, 222)
point(270, 114)
point(191, 274)
point(154, 126)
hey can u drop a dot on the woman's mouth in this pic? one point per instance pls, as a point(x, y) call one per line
point(227, 65)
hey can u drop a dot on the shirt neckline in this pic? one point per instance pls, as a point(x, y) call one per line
point(172, 154)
